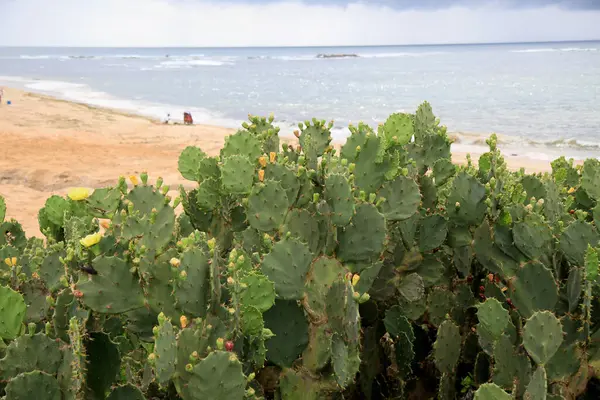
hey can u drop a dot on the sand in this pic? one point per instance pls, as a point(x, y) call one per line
point(48, 146)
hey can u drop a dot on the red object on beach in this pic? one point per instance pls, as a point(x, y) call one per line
point(187, 118)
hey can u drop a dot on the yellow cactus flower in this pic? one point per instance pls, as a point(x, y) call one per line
point(261, 175)
point(11, 262)
point(572, 190)
point(262, 161)
point(272, 156)
point(175, 262)
point(35, 276)
point(355, 279)
point(183, 321)
point(78, 194)
point(91, 240)
point(134, 180)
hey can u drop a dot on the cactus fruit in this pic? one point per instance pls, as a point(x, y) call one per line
point(12, 312)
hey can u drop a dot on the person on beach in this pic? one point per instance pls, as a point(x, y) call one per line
point(168, 120)
point(1, 94)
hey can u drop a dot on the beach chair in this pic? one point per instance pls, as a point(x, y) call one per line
point(187, 118)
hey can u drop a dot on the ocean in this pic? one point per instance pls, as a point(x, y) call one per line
point(542, 99)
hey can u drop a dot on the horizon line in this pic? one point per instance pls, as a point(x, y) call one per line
point(312, 46)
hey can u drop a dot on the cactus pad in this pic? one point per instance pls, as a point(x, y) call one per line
point(33, 385)
point(113, 290)
point(542, 336)
point(302, 225)
point(30, 353)
point(237, 174)
point(189, 162)
point(532, 236)
point(165, 350)
point(364, 238)
point(338, 195)
point(287, 265)
point(536, 390)
point(491, 391)
point(590, 178)
point(218, 376)
point(402, 198)
point(12, 312)
point(192, 293)
point(432, 232)
point(126, 392)
point(242, 143)
point(447, 347)
point(493, 318)
point(259, 292)
point(267, 206)
point(534, 289)
point(466, 203)
point(286, 320)
point(398, 128)
point(575, 239)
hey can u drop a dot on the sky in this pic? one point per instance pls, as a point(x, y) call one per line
point(205, 23)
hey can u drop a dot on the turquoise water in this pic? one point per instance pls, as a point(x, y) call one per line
point(540, 97)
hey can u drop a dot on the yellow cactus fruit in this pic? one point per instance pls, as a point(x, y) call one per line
point(134, 180)
point(272, 156)
point(78, 194)
point(355, 279)
point(183, 321)
point(91, 240)
point(572, 190)
point(175, 262)
point(262, 161)
point(261, 175)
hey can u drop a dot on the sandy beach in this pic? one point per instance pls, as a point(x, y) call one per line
point(48, 146)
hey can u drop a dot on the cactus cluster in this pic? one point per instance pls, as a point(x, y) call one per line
point(375, 270)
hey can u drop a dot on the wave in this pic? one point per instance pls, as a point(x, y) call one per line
point(552, 50)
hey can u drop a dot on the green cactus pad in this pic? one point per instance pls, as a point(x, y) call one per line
point(237, 174)
point(29, 353)
point(242, 143)
point(192, 293)
point(318, 352)
point(425, 121)
point(490, 255)
point(537, 388)
point(542, 336)
point(252, 321)
point(259, 292)
point(338, 194)
point(322, 275)
point(287, 265)
point(534, 289)
point(145, 199)
point(493, 318)
point(566, 361)
point(398, 129)
point(345, 361)
point(491, 391)
point(435, 147)
point(301, 224)
point(439, 303)
point(12, 313)
point(371, 164)
point(267, 206)
point(466, 203)
point(405, 354)
point(126, 392)
point(189, 162)
point(294, 386)
point(208, 194)
point(430, 269)
point(532, 236)
point(286, 320)
point(510, 365)
point(447, 347)
point(33, 385)
point(364, 238)
point(396, 323)
point(443, 170)
point(411, 287)
point(165, 349)
point(55, 209)
point(432, 232)
point(575, 239)
point(590, 178)
point(286, 177)
point(113, 290)
point(218, 376)
point(103, 364)
point(51, 270)
point(104, 202)
point(314, 139)
point(2, 209)
point(402, 198)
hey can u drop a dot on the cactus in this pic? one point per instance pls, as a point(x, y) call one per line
point(189, 161)
point(126, 392)
point(542, 336)
point(165, 350)
point(267, 206)
point(447, 347)
point(32, 385)
point(490, 391)
point(534, 289)
point(2, 209)
point(287, 265)
point(287, 322)
point(363, 239)
point(537, 388)
point(338, 195)
point(113, 290)
point(12, 312)
point(31, 353)
point(398, 129)
point(236, 174)
point(402, 198)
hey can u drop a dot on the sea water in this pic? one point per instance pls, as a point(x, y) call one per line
point(542, 99)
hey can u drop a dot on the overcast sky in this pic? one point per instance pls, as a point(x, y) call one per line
point(292, 23)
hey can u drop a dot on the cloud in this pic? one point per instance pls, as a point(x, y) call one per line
point(284, 23)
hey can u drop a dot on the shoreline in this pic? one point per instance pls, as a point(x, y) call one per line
point(50, 145)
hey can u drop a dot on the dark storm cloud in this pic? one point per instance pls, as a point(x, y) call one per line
point(440, 4)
